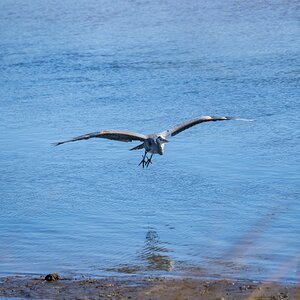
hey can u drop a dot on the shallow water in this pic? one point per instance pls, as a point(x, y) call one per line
point(223, 200)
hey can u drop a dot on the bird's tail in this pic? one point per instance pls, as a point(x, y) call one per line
point(141, 146)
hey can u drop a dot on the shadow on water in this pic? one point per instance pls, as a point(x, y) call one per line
point(153, 257)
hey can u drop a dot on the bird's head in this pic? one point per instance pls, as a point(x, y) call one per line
point(161, 144)
point(161, 140)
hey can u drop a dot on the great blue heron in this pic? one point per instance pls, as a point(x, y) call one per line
point(152, 143)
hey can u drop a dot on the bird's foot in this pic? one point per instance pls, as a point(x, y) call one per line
point(144, 161)
point(148, 162)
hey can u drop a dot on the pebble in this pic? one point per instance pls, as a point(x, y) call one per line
point(51, 277)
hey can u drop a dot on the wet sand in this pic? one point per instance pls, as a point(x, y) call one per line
point(143, 288)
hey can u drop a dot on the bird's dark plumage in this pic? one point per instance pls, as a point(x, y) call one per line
point(116, 135)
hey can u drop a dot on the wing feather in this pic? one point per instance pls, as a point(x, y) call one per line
point(116, 135)
point(187, 124)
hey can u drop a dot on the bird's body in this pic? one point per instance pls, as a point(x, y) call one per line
point(155, 144)
point(152, 143)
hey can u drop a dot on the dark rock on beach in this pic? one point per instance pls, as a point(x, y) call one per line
point(51, 277)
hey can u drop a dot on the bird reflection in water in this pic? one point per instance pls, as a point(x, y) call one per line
point(154, 253)
point(153, 257)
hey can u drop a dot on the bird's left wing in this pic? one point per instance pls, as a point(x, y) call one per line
point(185, 125)
point(116, 135)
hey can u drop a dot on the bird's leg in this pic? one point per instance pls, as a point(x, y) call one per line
point(148, 162)
point(144, 161)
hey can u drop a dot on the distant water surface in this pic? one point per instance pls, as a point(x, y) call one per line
point(222, 201)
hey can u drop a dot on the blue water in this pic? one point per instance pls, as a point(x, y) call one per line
point(222, 201)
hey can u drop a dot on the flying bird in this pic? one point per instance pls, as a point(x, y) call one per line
point(153, 143)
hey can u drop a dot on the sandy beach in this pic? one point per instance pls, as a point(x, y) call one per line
point(143, 288)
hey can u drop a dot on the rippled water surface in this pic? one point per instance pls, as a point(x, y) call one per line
point(223, 200)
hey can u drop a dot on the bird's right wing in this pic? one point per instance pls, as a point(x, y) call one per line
point(116, 135)
point(187, 124)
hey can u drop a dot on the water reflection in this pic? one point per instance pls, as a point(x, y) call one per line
point(153, 256)
point(154, 253)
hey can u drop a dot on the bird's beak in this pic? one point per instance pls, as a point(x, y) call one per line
point(165, 141)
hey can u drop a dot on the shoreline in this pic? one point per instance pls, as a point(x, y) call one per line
point(143, 287)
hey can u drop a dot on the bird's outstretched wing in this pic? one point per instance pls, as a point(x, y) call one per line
point(185, 125)
point(116, 135)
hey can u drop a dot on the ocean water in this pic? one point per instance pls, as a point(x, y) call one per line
point(222, 201)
